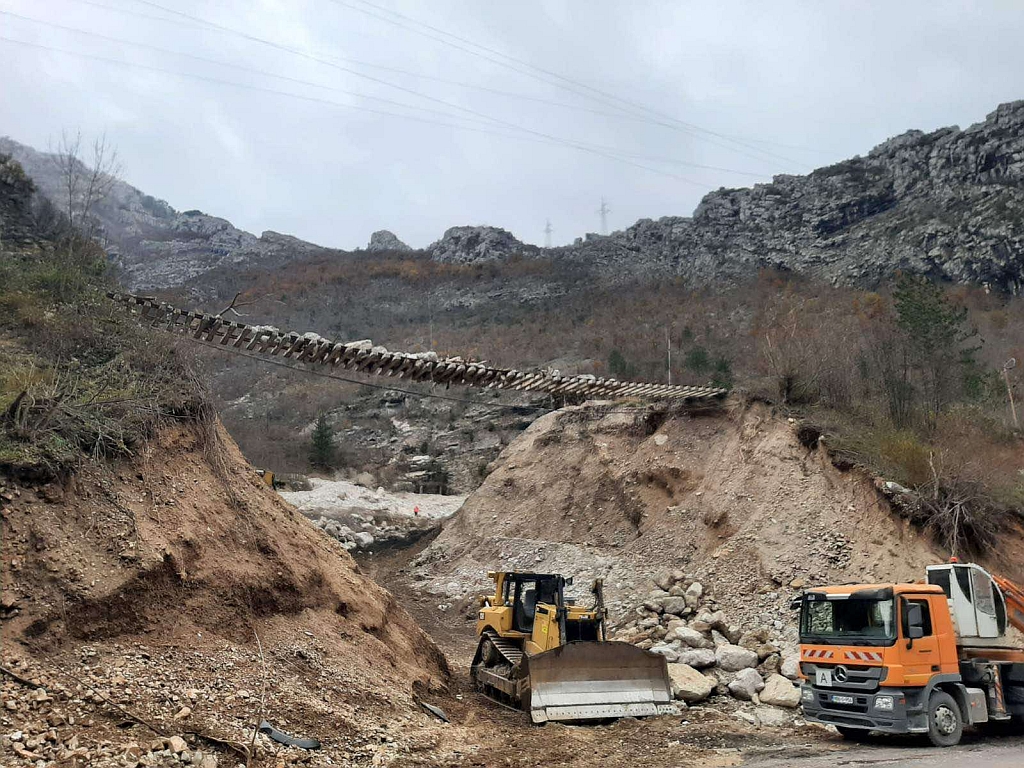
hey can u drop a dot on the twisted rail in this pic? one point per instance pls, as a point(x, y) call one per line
point(313, 349)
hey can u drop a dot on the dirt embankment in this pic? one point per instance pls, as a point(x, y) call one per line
point(730, 496)
point(146, 584)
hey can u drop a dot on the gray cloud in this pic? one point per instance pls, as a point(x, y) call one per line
point(803, 83)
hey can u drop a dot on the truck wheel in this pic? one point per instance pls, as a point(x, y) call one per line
point(945, 723)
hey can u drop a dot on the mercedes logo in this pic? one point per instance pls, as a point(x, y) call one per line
point(841, 674)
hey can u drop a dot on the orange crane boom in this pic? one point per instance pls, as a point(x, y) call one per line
point(1014, 596)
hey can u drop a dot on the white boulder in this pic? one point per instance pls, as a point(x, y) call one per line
point(688, 684)
point(733, 658)
point(780, 692)
point(746, 684)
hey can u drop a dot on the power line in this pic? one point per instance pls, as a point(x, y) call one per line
point(567, 142)
point(201, 24)
point(264, 73)
point(601, 150)
point(610, 154)
point(232, 65)
point(576, 83)
point(563, 82)
point(260, 89)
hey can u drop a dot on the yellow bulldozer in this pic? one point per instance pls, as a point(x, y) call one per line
point(540, 652)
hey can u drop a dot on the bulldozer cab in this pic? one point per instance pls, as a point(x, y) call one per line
point(527, 591)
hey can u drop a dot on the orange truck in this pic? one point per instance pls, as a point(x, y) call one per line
point(931, 657)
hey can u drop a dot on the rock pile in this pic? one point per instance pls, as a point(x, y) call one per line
point(373, 532)
point(706, 653)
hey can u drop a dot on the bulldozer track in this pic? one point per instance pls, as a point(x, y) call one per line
point(310, 348)
point(495, 683)
point(510, 651)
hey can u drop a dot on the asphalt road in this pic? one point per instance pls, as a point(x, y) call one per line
point(992, 752)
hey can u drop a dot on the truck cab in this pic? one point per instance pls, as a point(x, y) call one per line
point(908, 658)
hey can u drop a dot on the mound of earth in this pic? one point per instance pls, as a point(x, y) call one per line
point(178, 591)
point(730, 497)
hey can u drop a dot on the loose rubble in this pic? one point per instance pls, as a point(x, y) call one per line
point(363, 518)
point(708, 656)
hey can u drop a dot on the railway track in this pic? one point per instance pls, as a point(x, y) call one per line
point(363, 357)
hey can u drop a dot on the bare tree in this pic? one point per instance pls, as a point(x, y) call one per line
point(84, 186)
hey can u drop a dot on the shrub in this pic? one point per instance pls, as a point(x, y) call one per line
point(697, 360)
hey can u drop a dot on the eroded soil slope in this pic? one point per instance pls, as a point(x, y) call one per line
point(731, 496)
point(144, 585)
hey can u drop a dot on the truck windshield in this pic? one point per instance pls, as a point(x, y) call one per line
point(848, 620)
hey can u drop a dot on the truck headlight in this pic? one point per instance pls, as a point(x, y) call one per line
point(883, 703)
point(806, 694)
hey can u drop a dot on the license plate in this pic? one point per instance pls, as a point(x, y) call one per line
point(823, 678)
point(842, 699)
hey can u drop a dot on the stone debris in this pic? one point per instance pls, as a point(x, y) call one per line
point(688, 684)
point(708, 655)
point(362, 518)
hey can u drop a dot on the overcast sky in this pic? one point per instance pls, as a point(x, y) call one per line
point(651, 89)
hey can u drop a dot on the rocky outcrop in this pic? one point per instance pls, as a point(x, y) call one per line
point(383, 240)
point(153, 245)
point(469, 245)
point(948, 204)
point(16, 191)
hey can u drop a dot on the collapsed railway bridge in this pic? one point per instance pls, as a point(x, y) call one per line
point(363, 357)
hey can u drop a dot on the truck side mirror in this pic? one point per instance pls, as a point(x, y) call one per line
point(915, 621)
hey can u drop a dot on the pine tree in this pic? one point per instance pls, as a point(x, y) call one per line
point(321, 452)
point(937, 334)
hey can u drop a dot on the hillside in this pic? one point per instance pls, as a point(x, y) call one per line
point(740, 498)
point(157, 598)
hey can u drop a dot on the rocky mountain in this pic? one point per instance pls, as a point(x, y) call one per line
point(948, 204)
point(155, 246)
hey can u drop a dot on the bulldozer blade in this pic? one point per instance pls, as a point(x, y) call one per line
point(588, 680)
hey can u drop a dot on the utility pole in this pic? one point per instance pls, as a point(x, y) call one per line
point(668, 346)
point(1007, 366)
point(603, 210)
point(547, 234)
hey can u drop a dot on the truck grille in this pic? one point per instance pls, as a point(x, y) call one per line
point(859, 678)
point(860, 704)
